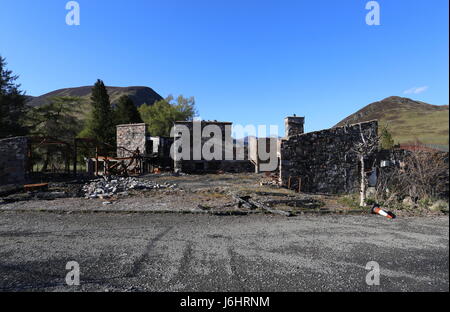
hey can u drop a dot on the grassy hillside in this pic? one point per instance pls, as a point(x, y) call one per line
point(407, 120)
point(139, 95)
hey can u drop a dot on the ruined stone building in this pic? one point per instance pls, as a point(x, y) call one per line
point(186, 132)
point(319, 161)
point(13, 160)
point(322, 161)
point(155, 151)
point(130, 138)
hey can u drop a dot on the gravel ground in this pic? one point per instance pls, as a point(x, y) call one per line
point(151, 202)
point(210, 193)
point(222, 194)
point(180, 252)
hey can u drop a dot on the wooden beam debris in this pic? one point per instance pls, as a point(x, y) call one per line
point(249, 203)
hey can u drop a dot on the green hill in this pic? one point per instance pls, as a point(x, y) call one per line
point(139, 95)
point(407, 120)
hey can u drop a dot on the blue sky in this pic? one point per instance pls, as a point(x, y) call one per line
point(246, 61)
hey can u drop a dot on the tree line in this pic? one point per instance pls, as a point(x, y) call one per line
point(60, 117)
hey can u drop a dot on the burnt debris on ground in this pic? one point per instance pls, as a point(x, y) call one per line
point(218, 194)
point(109, 186)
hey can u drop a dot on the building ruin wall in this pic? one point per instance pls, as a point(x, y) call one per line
point(13, 160)
point(323, 160)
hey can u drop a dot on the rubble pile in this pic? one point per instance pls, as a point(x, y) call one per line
point(271, 180)
point(269, 183)
point(109, 186)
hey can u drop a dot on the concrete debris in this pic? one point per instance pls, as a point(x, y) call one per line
point(269, 183)
point(270, 179)
point(109, 186)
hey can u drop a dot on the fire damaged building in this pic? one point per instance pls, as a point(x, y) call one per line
point(316, 162)
point(323, 161)
point(199, 139)
point(13, 160)
point(154, 152)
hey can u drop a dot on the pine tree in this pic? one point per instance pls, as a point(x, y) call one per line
point(12, 104)
point(100, 125)
point(126, 111)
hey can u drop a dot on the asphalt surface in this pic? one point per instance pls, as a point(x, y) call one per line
point(182, 252)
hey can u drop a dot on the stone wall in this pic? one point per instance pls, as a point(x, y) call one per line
point(200, 165)
point(322, 160)
point(213, 166)
point(131, 137)
point(13, 160)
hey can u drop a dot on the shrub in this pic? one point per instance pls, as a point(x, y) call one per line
point(421, 175)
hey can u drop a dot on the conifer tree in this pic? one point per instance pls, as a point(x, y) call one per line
point(100, 124)
point(126, 112)
point(12, 104)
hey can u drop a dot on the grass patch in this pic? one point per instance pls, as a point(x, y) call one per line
point(351, 201)
point(428, 127)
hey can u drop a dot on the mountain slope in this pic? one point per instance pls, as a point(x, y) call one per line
point(139, 95)
point(407, 120)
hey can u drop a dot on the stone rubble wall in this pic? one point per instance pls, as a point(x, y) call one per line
point(13, 160)
point(215, 166)
point(202, 165)
point(322, 159)
point(131, 137)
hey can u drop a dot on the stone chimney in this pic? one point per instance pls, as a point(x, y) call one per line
point(293, 125)
point(131, 137)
